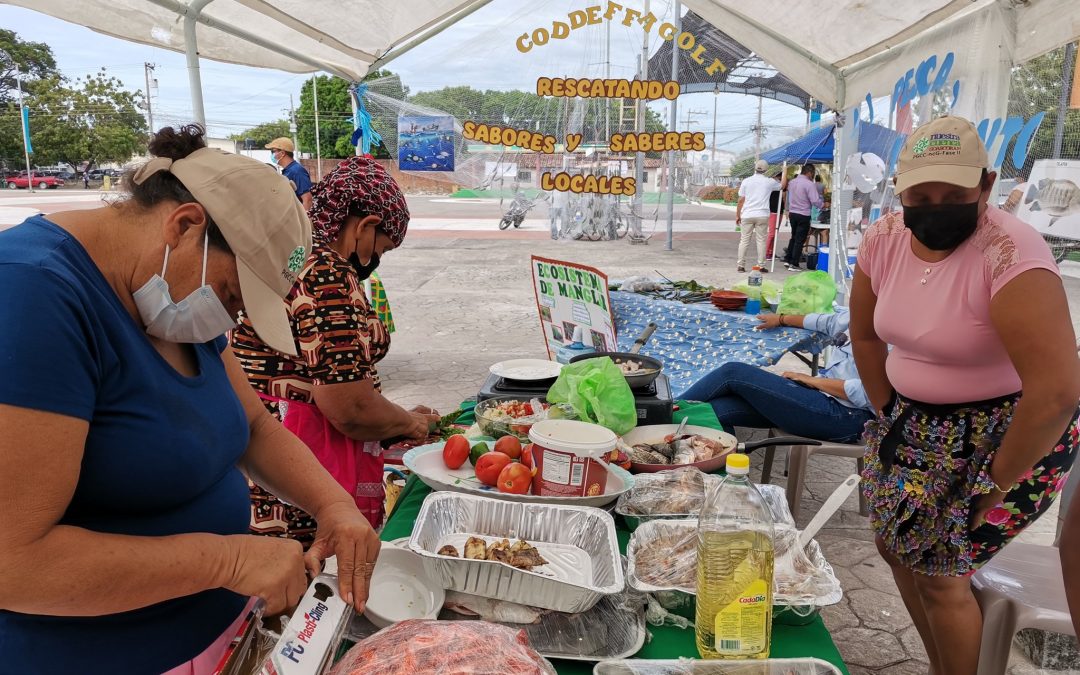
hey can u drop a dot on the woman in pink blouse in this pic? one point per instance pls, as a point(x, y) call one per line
point(958, 463)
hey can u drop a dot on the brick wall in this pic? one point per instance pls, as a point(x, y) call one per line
point(411, 183)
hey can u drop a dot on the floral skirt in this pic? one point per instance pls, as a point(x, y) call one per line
point(927, 465)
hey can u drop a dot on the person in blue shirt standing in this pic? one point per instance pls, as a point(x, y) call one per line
point(129, 428)
point(282, 151)
point(832, 406)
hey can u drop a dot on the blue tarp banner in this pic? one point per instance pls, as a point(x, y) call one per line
point(26, 128)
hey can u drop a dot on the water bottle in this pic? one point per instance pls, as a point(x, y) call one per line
point(735, 569)
point(753, 293)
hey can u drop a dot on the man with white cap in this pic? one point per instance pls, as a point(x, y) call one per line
point(130, 428)
point(752, 212)
point(977, 399)
point(282, 151)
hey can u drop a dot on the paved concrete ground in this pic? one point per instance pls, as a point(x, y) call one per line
point(462, 299)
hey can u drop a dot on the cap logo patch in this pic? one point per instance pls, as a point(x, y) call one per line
point(937, 145)
point(296, 259)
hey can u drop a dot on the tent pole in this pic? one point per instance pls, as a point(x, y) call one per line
point(779, 218)
point(392, 54)
point(356, 122)
point(191, 51)
point(674, 127)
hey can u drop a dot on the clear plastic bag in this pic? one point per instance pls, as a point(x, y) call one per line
point(678, 492)
point(418, 646)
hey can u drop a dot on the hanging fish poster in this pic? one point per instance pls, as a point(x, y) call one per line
point(425, 143)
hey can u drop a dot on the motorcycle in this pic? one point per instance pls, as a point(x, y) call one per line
point(518, 208)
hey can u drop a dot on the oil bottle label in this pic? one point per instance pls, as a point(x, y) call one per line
point(740, 627)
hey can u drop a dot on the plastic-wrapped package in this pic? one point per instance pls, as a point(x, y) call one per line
point(662, 559)
point(465, 647)
point(680, 493)
point(717, 667)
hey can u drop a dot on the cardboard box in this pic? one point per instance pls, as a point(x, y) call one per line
point(312, 637)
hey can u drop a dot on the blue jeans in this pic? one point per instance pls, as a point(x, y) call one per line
point(747, 396)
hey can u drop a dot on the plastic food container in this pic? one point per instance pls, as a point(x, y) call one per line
point(495, 424)
point(565, 453)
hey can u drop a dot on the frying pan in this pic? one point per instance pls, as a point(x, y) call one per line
point(653, 367)
point(656, 434)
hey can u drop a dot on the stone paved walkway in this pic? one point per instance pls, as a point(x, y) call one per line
point(462, 303)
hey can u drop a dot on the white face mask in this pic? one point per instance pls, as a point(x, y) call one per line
point(198, 318)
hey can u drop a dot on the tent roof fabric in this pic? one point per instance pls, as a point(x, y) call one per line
point(816, 147)
point(816, 45)
point(341, 38)
point(743, 73)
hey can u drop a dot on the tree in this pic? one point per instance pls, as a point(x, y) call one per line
point(264, 133)
point(1036, 87)
point(90, 119)
point(335, 113)
point(34, 59)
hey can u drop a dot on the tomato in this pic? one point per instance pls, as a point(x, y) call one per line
point(515, 478)
point(455, 452)
point(510, 446)
point(489, 466)
point(527, 456)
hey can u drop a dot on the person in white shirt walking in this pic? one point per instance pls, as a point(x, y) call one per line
point(752, 213)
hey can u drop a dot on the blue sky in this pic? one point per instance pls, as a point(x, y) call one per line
point(478, 51)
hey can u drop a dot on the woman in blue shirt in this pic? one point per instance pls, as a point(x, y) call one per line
point(128, 426)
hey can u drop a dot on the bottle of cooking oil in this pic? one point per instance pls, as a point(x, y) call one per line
point(735, 569)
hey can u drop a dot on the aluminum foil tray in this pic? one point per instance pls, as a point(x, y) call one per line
point(578, 542)
point(814, 587)
point(718, 667)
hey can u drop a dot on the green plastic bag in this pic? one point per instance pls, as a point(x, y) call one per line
point(808, 293)
point(598, 393)
point(769, 289)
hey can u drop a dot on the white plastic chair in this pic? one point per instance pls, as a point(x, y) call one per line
point(797, 458)
point(1022, 587)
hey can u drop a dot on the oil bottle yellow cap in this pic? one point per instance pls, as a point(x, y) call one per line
point(737, 463)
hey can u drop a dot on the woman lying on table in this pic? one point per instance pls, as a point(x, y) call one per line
point(329, 394)
point(830, 407)
point(127, 422)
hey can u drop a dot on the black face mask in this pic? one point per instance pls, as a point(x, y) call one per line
point(364, 271)
point(942, 227)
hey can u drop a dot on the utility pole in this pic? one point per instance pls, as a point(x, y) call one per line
point(607, 76)
point(292, 125)
point(638, 204)
point(318, 145)
point(147, 69)
point(690, 113)
point(758, 131)
point(716, 97)
point(23, 117)
point(674, 122)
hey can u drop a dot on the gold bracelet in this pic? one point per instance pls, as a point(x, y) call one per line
point(998, 487)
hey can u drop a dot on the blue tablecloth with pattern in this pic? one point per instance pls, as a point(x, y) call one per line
point(693, 340)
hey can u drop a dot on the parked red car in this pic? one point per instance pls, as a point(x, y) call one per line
point(40, 182)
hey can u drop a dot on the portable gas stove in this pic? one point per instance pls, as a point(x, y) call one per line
point(654, 402)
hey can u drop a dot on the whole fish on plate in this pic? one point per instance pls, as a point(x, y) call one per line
point(491, 610)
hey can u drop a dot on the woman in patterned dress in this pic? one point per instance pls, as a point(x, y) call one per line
point(329, 395)
point(958, 462)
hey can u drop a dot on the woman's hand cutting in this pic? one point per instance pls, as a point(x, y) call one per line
point(344, 532)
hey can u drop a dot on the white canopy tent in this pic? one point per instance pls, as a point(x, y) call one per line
point(845, 53)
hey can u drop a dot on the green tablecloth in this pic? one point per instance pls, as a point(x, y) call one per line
point(812, 640)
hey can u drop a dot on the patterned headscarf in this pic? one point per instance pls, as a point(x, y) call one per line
point(358, 184)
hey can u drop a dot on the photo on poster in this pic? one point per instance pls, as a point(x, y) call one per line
point(599, 341)
point(556, 333)
point(1050, 199)
point(568, 329)
point(426, 143)
point(545, 313)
